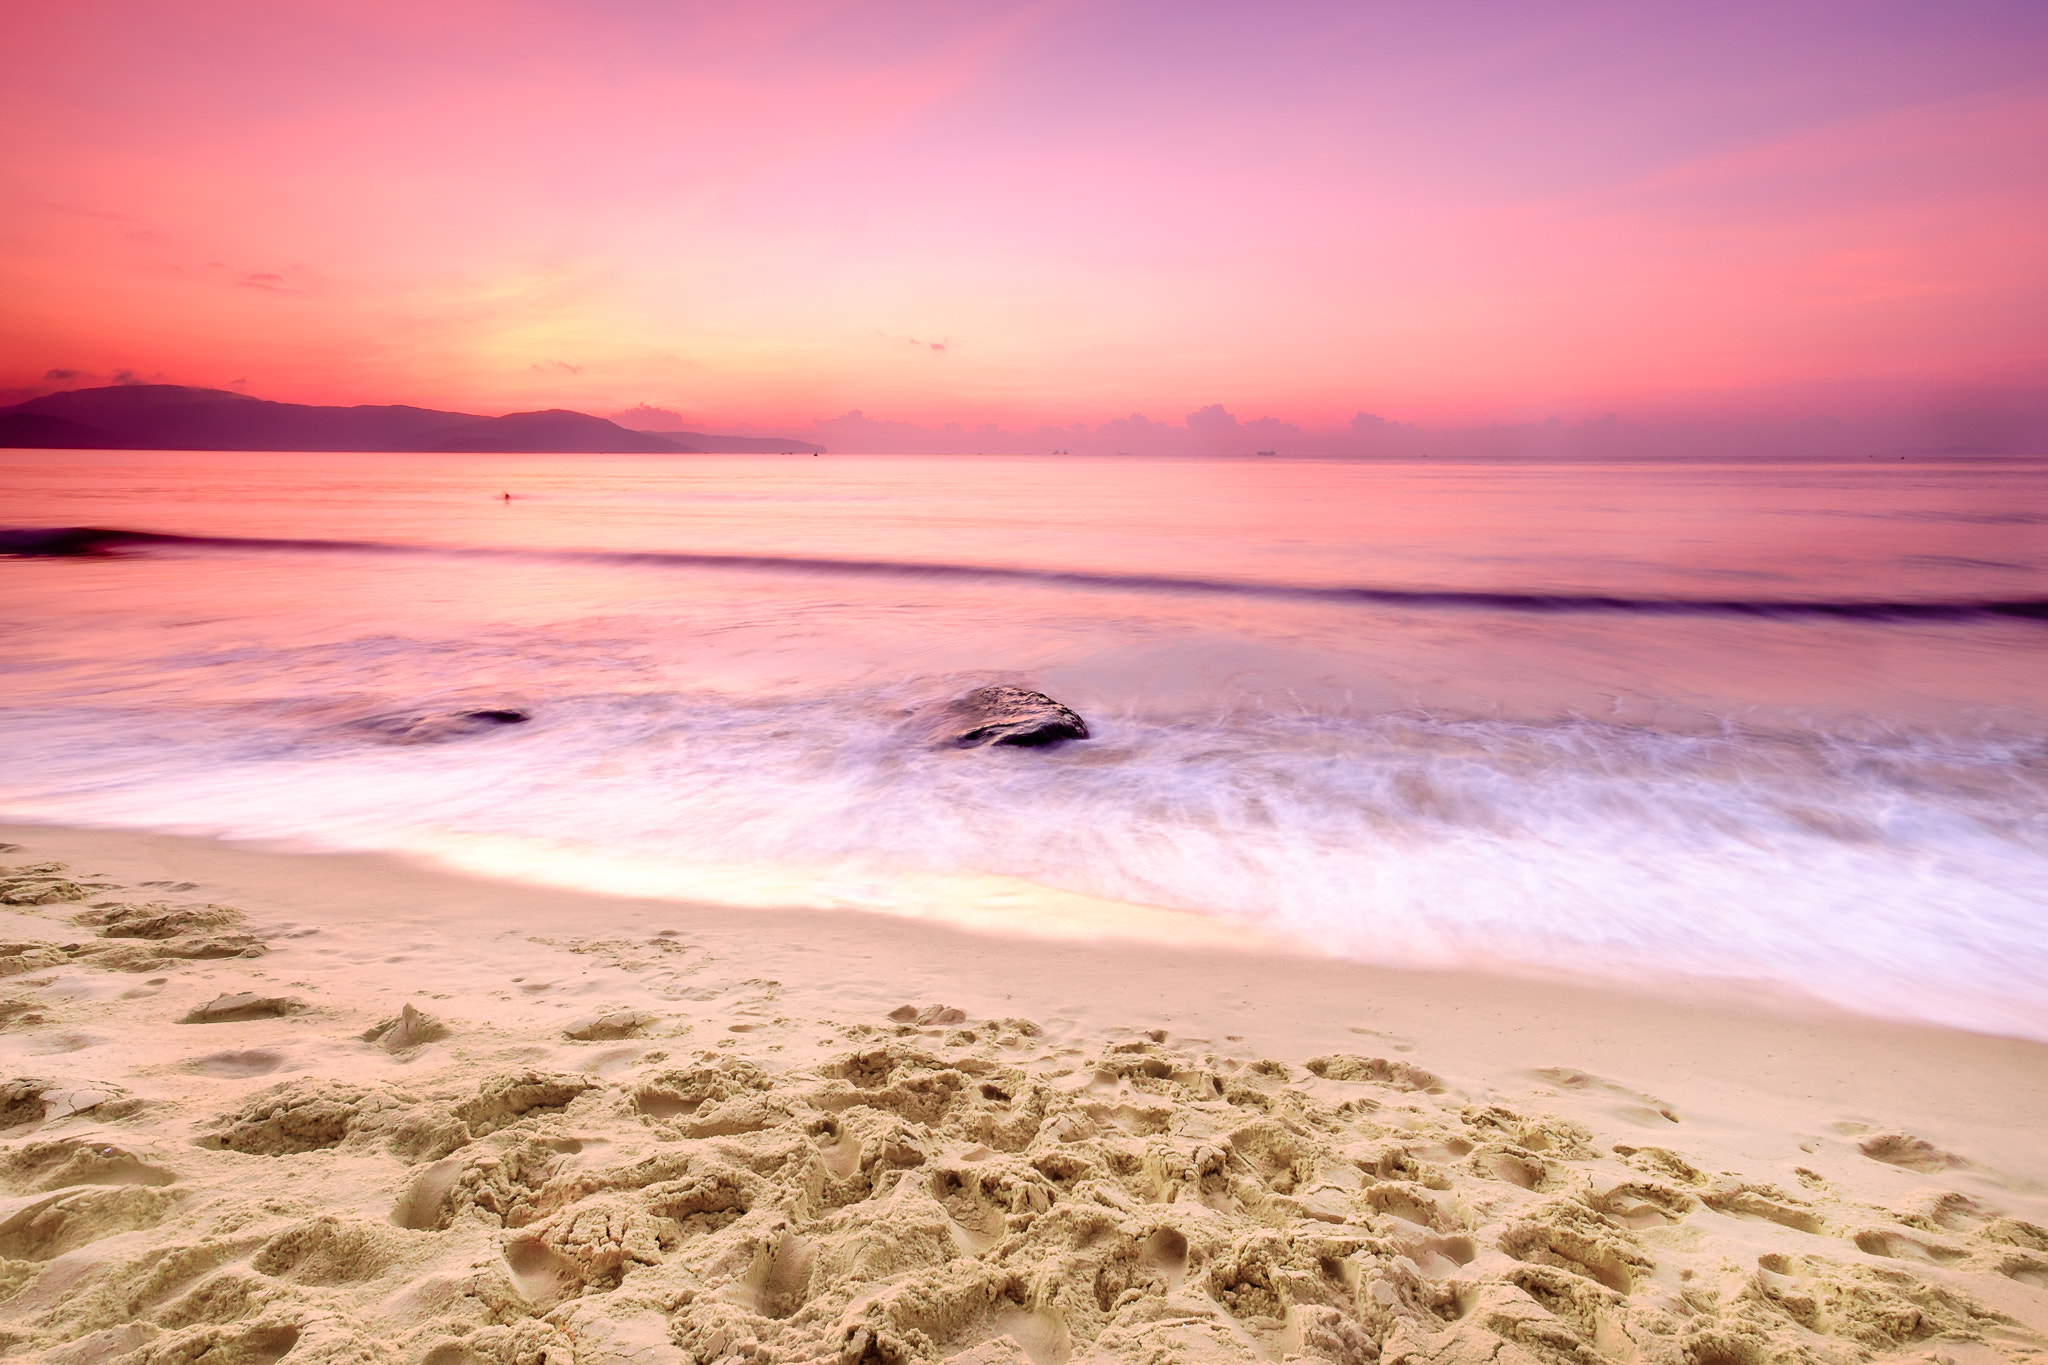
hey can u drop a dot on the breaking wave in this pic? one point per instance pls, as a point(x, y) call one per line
point(1893, 873)
point(86, 541)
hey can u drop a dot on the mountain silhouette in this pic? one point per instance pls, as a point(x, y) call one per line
point(41, 431)
point(176, 417)
point(558, 431)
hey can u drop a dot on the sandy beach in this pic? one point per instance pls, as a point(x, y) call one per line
point(1024, 684)
point(350, 1109)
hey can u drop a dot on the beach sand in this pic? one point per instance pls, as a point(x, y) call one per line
point(264, 1106)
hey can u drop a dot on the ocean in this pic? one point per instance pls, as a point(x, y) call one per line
point(1778, 726)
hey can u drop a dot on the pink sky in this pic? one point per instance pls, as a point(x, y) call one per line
point(1032, 212)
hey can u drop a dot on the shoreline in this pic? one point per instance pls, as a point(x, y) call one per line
point(1277, 994)
point(1836, 1132)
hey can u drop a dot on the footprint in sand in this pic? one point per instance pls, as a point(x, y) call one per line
point(2031, 1271)
point(71, 1162)
point(330, 1251)
point(1637, 1204)
point(1947, 1211)
point(55, 1043)
point(1909, 1153)
point(1766, 1203)
point(237, 1065)
point(1880, 1309)
point(1900, 1247)
point(44, 1227)
point(147, 989)
point(1644, 1109)
point(610, 1025)
point(241, 1006)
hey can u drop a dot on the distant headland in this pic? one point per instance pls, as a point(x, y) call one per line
point(174, 417)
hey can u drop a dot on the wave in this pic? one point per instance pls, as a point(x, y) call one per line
point(1897, 874)
point(83, 541)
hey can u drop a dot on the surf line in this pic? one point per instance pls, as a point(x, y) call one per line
point(87, 541)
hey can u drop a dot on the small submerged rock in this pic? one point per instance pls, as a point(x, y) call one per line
point(1010, 715)
point(435, 727)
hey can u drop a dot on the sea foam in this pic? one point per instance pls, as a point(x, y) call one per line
point(1892, 873)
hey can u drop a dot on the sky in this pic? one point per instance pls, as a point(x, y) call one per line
point(1011, 214)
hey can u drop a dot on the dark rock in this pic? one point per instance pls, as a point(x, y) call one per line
point(1010, 715)
point(433, 727)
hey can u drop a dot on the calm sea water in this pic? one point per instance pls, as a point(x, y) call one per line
point(725, 659)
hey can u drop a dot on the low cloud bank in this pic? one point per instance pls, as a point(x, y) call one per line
point(2005, 426)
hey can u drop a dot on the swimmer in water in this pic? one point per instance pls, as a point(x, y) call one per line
point(508, 497)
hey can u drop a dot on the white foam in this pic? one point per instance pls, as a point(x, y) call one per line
point(1894, 874)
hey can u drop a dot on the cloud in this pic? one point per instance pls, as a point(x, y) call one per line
point(1209, 431)
point(641, 417)
point(1215, 430)
point(915, 343)
point(1967, 424)
point(558, 366)
point(65, 374)
point(1133, 435)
